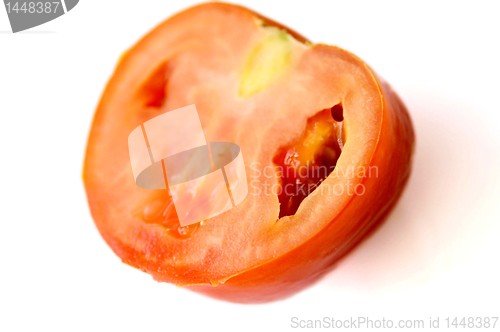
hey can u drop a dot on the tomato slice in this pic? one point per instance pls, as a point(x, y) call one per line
point(290, 105)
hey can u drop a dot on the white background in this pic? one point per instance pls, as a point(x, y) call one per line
point(437, 254)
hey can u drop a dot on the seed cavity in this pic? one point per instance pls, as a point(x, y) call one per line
point(158, 208)
point(337, 112)
point(153, 90)
point(306, 162)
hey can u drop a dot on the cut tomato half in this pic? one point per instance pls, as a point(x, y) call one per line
point(327, 150)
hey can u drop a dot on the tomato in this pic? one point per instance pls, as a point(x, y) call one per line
point(294, 108)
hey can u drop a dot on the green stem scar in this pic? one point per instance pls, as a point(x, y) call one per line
point(267, 61)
